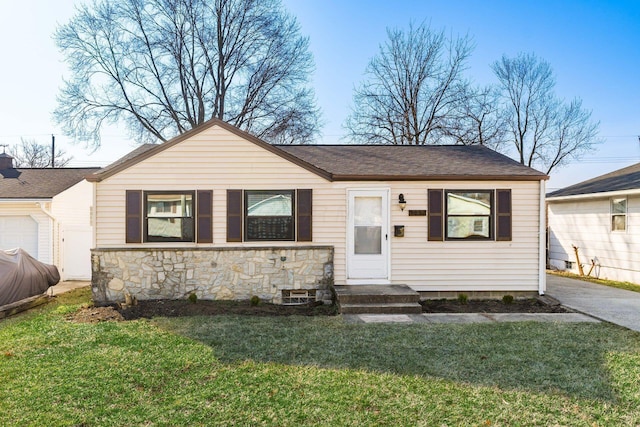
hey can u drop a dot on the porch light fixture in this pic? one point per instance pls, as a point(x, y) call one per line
point(402, 202)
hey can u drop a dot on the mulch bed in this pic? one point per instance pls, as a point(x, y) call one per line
point(530, 305)
point(177, 308)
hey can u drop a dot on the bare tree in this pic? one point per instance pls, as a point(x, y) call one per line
point(165, 66)
point(30, 154)
point(412, 88)
point(478, 119)
point(545, 131)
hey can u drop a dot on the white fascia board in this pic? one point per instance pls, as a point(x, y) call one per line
point(17, 200)
point(603, 195)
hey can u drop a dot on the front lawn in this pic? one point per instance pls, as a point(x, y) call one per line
point(291, 371)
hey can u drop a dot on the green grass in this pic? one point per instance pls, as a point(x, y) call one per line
point(235, 370)
point(612, 283)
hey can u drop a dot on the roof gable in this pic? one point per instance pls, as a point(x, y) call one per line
point(149, 150)
point(363, 162)
point(619, 180)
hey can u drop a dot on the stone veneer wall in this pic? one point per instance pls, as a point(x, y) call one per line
point(210, 273)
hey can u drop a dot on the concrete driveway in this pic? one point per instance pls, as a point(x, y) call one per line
point(603, 302)
point(67, 286)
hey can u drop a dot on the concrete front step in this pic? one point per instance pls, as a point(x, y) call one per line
point(384, 308)
point(379, 299)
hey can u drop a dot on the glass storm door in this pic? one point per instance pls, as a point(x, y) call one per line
point(368, 235)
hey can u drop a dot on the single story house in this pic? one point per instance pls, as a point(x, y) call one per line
point(601, 217)
point(222, 214)
point(46, 212)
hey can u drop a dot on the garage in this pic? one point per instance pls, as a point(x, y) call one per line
point(43, 209)
point(19, 232)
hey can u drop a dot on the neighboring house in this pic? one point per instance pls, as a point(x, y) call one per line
point(601, 217)
point(222, 214)
point(46, 212)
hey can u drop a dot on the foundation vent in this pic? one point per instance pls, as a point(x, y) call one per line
point(298, 296)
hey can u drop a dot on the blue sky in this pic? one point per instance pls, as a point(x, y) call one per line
point(593, 47)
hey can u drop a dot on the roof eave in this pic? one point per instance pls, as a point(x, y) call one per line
point(597, 195)
point(440, 177)
point(25, 199)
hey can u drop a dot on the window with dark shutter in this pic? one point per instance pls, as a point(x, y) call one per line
point(468, 214)
point(133, 225)
point(269, 215)
point(435, 216)
point(169, 216)
point(204, 206)
point(234, 215)
point(304, 211)
point(503, 215)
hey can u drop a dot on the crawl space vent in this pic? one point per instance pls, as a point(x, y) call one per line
point(298, 296)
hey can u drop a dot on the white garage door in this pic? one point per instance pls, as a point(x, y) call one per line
point(19, 232)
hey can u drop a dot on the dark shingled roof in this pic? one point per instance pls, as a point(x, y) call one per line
point(411, 162)
point(622, 179)
point(129, 156)
point(364, 162)
point(39, 183)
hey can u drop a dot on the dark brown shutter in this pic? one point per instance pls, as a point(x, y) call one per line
point(503, 215)
point(234, 215)
point(204, 209)
point(436, 216)
point(304, 221)
point(133, 216)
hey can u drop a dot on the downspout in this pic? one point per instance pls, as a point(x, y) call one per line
point(93, 215)
point(53, 226)
point(542, 237)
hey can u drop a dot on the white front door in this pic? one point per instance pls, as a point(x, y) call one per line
point(368, 236)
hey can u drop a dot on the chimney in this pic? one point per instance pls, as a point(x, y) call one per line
point(6, 162)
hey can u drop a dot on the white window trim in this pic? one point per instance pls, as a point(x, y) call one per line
point(625, 214)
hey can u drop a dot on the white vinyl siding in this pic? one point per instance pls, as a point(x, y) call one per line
point(469, 264)
point(587, 225)
point(72, 210)
point(217, 160)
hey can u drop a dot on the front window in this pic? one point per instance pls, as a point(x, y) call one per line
point(469, 214)
point(619, 214)
point(269, 215)
point(169, 217)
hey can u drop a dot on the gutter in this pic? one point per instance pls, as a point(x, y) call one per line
point(19, 200)
point(45, 211)
point(602, 195)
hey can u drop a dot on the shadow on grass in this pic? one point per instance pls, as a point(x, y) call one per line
point(566, 358)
